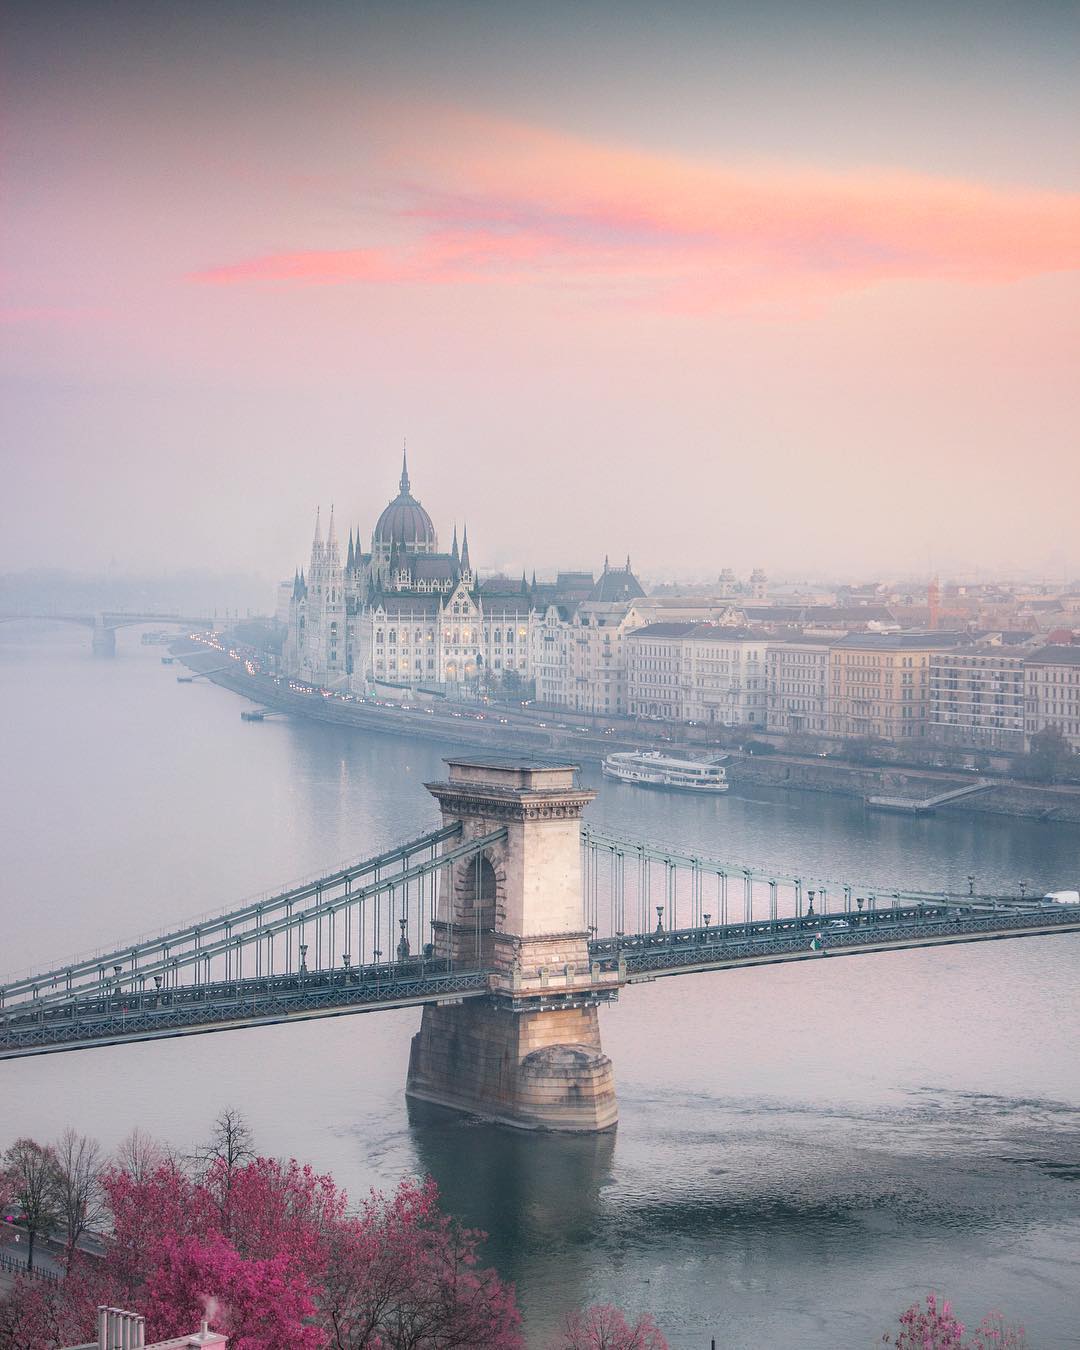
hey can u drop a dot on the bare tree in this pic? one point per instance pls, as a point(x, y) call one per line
point(34, 1178)
point(138, 1155)
point(231, 1143)
point(80, 1163)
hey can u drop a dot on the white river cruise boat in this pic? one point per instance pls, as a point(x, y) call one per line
point(655, 769)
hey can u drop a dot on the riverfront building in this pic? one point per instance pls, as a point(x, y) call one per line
point(1052, 692)
point(977, 698)
point(797, 680)
point(697, 673)
point(404, 612)
point(880, 683)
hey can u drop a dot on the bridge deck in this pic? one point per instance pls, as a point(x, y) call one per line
point(108, 1018)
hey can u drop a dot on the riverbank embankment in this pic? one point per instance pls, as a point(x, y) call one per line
point(466, 726)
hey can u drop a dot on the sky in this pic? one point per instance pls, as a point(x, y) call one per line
point(791, 285)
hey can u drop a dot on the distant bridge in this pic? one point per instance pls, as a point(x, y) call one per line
point(104, 623)
point(511, 924)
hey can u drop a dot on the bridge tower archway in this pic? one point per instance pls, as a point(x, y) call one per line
point(479, 906)
point(529, 1053)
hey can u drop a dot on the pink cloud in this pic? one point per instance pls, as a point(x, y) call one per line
point(500, 203)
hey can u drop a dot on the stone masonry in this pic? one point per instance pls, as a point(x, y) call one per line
point(529, 1054)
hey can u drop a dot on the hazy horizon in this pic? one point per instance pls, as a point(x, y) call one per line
point(751, 285)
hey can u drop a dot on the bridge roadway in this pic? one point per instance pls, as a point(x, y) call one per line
point(111, 1017)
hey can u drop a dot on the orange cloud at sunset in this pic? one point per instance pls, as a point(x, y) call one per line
point(494, 202)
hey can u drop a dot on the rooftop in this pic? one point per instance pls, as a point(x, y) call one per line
point(1055, 656)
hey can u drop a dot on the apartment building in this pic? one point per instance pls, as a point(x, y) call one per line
point(880, 683)
point(1052, 692)
point(697, 673)
point(579, 661)
point(977, 698)
point(798, 682)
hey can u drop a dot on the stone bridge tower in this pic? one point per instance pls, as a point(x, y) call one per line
point(529, 1053)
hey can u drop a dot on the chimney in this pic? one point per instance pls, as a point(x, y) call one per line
point(119, 1330)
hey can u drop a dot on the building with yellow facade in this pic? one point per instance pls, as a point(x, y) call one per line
point(880, 683)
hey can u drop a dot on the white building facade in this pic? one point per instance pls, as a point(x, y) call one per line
point(403, 613)
point(704, 673)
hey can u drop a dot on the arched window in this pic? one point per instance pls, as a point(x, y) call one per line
point(378, 635)
point(393, 635)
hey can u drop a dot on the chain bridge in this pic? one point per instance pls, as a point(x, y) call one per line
point(509, 925)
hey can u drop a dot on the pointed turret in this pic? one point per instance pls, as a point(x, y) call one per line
point(455, 556)
point(465, 566)
point(404, 484)
point(331, 540)
point(350, 558)
point(524, 583)
point(628, 562)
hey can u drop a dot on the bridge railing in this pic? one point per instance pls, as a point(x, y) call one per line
point(632, 886)
point(383, 908)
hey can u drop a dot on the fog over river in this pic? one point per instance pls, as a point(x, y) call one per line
point(802, 1150)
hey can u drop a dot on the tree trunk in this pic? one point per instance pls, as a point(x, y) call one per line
point(30, 1250)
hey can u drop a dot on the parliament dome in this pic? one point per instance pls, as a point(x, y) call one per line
point(404, 522)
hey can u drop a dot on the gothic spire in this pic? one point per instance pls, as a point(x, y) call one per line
point(317, 541)
point(331, 537)
point(465, 566)
point(351, 556)
point(628, 562)
point(404, 484)
point(454, 549)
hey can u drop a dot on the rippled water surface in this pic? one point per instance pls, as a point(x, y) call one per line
point(802, 1150)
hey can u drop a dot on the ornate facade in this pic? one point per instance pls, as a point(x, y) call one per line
point(403, 613)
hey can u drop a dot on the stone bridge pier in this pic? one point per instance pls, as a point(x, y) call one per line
point(103, 639)
point(528, 1054)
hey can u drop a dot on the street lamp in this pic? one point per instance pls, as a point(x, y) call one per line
point(403, 945)
point(659, 918)
point(971, 884)
point(303, 958)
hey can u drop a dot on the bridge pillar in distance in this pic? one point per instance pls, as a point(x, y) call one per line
point(528, 1054)
point(103, 640)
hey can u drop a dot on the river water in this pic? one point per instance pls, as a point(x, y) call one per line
point(802, 1150)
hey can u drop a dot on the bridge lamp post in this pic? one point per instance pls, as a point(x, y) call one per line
point(303, 958)
point(659, 918)
point(1023, 890)
point(971, 884)
point(810, 907)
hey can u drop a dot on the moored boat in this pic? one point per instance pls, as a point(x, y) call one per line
point(656, 769)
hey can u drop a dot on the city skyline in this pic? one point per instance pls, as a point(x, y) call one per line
point(749, 287)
